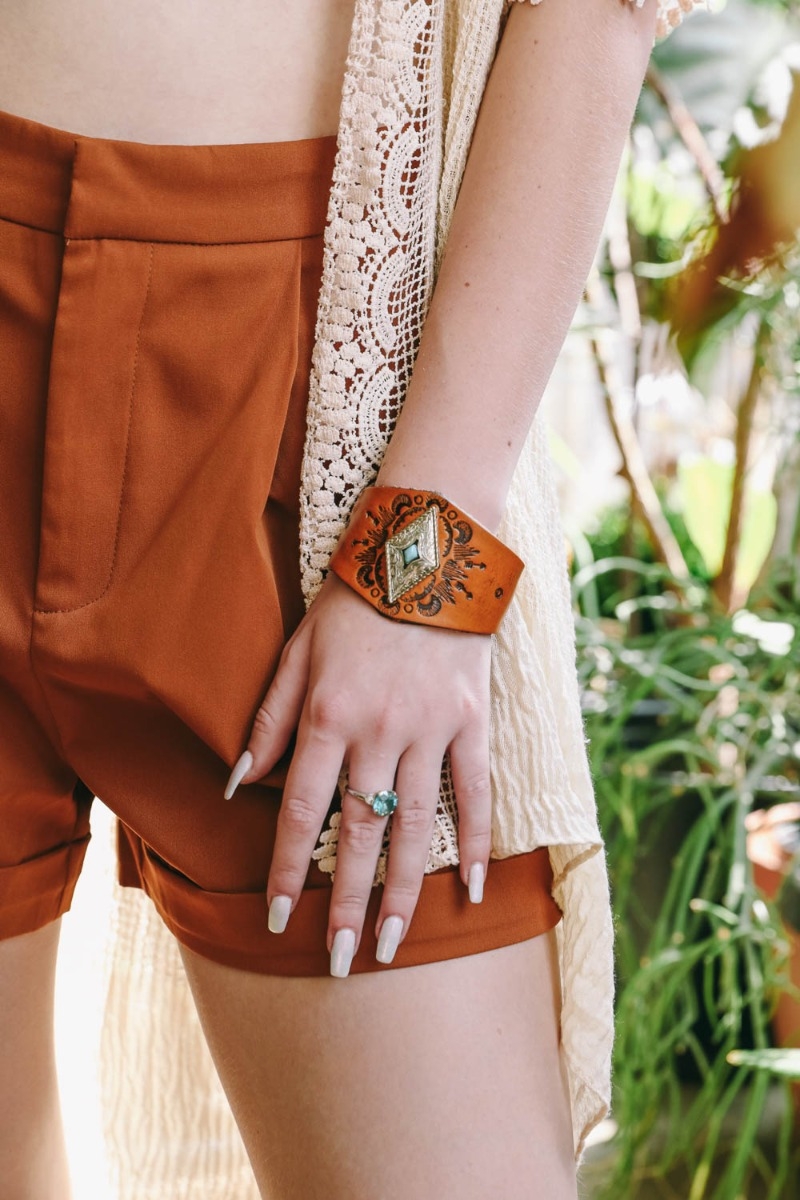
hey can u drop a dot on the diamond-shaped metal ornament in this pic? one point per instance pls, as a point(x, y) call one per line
point(412, 554)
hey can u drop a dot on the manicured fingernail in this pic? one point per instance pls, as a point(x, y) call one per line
point(389, 940)
point(279, 911)
point(243, 765)
point(342, 951)
point(476, 876)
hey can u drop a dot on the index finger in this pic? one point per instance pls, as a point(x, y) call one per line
point(311, 783)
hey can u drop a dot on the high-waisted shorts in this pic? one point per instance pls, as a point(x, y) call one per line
point(157, 316)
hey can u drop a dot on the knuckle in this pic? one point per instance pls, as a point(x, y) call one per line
point(471, 707)
point(474, 786)
point(401, 895)
point(383, 721)
point(326, 710)
point(380, 724)
point(348, 904)
point(413, 820)
point(359, 836)
point(476, 839)
point(298, 815)
point(264, 722)
point(387, 716)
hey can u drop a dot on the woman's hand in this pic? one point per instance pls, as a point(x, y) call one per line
point(387, 700)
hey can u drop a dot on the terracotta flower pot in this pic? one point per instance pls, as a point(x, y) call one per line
point(771, 842)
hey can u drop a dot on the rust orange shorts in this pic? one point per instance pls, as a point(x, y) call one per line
point(157, 312)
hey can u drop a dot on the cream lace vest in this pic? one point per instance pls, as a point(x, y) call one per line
point(415, 75)
point(414, 78)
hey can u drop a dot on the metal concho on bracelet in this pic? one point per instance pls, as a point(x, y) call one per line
point(382, 803)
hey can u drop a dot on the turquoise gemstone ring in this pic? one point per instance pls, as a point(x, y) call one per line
point(382, 804)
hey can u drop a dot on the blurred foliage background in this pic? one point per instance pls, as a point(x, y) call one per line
point(686, 597)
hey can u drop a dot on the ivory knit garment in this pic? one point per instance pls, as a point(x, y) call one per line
point(414, 78)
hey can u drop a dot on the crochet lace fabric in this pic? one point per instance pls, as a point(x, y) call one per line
point(415, 75)
point(672, 12)
point(378, 276)
point(414, 78)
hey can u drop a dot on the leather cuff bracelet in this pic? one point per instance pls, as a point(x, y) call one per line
point(416, 557)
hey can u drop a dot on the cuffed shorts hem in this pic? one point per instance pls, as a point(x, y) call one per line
point(37, 892)
point(517, 905)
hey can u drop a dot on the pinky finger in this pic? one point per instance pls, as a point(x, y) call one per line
point(469, 760)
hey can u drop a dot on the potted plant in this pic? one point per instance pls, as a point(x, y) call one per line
point(773, 848)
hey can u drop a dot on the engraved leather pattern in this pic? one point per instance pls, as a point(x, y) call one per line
point(464, 582)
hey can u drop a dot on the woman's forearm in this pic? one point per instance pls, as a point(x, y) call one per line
point(544, 155)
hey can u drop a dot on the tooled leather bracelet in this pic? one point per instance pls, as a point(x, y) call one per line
point(417, 557)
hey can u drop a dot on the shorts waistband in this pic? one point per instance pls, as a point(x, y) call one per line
point(92, 187)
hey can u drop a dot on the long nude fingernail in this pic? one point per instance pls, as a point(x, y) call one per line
point(241, 767)
point(389, 940)
point(476, 877)
point(342, 951)
point(279, 911)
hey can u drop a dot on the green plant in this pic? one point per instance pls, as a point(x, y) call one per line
point(690, 724)
point(687, 600)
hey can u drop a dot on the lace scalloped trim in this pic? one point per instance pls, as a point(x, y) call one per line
point(672, 12)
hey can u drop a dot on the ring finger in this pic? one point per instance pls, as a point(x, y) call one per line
point(360, 839)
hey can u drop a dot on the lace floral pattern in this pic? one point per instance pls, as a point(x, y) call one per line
point(375, 291)
point(415, 75)
point(414, 78)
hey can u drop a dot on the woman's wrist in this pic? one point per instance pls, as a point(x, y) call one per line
point(415, 555)
point(472, 491)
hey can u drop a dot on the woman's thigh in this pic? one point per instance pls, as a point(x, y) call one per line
point(430, 1081)
point(32, 1155)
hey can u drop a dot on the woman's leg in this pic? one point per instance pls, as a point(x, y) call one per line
point(432, 1081)
point(33, 1163)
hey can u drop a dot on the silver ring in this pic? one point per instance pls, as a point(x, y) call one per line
point(382, 803)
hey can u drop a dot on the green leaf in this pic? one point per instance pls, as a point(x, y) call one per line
point(705, 496)
point(784, 1062)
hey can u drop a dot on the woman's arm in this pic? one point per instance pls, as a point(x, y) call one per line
point(555, 113)
point(385, 698)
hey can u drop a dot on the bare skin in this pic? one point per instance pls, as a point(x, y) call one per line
point(435, 1081)
point(382, 698)
point(456, 1078)
point(33, 1163)
point(191, 71)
